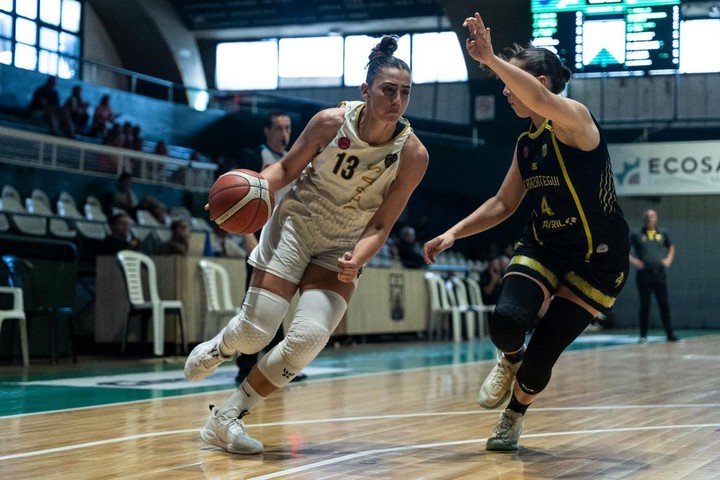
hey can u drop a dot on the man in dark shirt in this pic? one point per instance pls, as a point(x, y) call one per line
point(45, 105)
point(409, 249)
point(654, 253)
point(120, 237)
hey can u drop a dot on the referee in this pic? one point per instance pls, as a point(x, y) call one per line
point(654, 253)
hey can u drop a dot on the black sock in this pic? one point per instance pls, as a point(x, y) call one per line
point(516, 406)
point(515, 357)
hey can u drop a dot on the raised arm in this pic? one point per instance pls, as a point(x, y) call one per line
point(414, 161)
point(492, 212)
point(571, 118)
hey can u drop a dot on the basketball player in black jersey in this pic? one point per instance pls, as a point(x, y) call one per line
point(574, 251)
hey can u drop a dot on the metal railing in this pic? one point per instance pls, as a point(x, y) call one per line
point(44, 151)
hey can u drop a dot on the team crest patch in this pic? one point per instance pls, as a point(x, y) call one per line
point(344, 143)
point(543, 150)
point(390, 159)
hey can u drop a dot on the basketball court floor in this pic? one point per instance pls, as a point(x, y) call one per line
point(614, 409)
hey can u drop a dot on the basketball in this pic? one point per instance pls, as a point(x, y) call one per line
point(240, 201)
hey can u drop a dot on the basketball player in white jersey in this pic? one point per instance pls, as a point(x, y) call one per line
point(366, 162)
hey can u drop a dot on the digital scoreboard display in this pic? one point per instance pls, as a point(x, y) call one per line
point(622, 37)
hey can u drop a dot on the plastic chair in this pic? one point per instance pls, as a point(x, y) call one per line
point(458, 296)
point(146, 219)
point(475, 296)
point(39, 204)
point(22, 273)
point(67, 208)
point(14, 311)
point(24, 222)
point(440, 306)
point(132, 264)
point(217, 293)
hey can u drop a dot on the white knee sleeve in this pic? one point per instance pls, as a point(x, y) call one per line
point(260, 316)
point(318, 314)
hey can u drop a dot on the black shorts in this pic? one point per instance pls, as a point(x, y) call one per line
point(598, 282)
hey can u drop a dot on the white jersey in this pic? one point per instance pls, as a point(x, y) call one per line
point(348, 180)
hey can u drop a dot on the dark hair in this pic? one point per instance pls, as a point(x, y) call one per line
point(268, 120)
point(541, 61)
point(381, 56)
point(176, 224)
point(123, 176)
point(115, 218)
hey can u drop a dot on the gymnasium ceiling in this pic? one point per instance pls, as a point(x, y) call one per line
point(208, 15)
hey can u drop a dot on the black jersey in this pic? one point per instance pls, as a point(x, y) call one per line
point(575, 210)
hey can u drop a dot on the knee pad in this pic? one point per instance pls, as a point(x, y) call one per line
point(562, 324)
point(516, 309)
point(318, 314)
point(260, 316)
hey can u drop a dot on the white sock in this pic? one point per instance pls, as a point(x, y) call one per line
point(243, 400)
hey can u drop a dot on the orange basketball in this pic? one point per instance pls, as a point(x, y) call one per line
point(240, 202)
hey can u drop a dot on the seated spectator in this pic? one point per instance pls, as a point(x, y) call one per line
point(45, 106)
point(128, 137)
point(179, 243)
point(161, 148)
point(103, 118)
point(491, 279)
point(120, 237)
point(136, 138)
point(124, 196)
point(77, 110)
point(409, 249)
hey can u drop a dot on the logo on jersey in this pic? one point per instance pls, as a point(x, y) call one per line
point(602, 248)
point(619, 279)
point(344, 143)
point(390, 159)
point(543, 150)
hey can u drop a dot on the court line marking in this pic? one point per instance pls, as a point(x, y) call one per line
point(140, 436)
point(314, 380)
point(381, 451)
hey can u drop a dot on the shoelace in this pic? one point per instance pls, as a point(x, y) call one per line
point(213, 359)
point(502, 372)
point(505, 426)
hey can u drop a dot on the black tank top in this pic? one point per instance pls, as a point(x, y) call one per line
point(572, 194)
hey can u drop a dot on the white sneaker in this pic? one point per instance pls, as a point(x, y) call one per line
point(507, 432)
point(496, 387)
point(204, 359)
point(227, 431)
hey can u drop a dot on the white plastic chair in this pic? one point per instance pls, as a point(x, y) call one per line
point(217, 294)
point(17, 312)
point(475, 297)
point(132, 264)
point(27, 224)
point(39, 204)
point(67, 208)
point(146, 219)
point(439, 305)
point(458, 297)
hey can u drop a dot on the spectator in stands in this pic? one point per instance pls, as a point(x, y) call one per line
point(491, 278)
point(179, 243)
point(136, 139)
point(161, 148)
point(409, 249)
point(104, 118)
point(124, 197)
point(120, 237)
point(127, 133)
point(45, 105)
point(77, 110)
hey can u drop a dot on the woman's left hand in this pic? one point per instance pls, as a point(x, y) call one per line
point(348, 268)
point(478, 43)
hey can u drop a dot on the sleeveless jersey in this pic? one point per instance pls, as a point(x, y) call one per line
point(575, 209)
point(347, 181)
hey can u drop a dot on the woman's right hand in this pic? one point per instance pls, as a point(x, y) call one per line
point(437, 245)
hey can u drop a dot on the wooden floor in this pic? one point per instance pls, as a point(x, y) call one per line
point(631, 412)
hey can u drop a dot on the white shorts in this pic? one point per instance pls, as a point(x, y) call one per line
point(288, 244)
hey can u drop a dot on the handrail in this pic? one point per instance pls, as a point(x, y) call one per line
point(39, 150)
